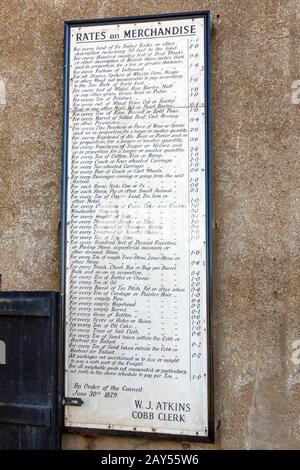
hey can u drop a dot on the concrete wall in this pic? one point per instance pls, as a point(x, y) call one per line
point(255, 60)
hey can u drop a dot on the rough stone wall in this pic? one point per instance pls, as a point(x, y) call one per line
point(255, 63)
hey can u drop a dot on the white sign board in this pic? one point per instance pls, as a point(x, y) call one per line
point(136, 225)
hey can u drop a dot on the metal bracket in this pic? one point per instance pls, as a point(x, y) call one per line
point(71, 401)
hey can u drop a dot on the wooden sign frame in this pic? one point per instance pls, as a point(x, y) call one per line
point(209, 430)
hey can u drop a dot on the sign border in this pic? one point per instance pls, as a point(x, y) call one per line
point(206, 15)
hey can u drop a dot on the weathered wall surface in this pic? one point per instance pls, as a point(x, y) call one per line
point(255, 61)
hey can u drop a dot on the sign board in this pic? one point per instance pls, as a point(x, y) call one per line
point(136, 225)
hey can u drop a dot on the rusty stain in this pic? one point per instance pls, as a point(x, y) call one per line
point(186, 445)
point(275, 294)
